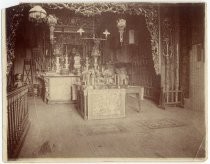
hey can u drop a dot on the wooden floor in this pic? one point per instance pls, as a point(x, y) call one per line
point(57, 130)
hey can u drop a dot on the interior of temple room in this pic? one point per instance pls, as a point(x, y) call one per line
point(87, 81)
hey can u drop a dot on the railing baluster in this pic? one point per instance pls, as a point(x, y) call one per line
point(17, 119)
point(15, 115)
point(9, 126)
point(21, 114)
point(13, 123)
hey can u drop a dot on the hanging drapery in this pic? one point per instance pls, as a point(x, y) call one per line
point(14, 18)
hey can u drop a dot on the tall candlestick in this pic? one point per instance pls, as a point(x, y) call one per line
point(66, 49)
point(66, 62)
point(57, 65)
point(177, 71)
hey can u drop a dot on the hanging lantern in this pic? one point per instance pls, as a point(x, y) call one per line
point(121, 24)
point(37, 14)
point(52, 21)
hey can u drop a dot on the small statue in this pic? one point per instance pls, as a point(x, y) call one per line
point(18, 81)
point(95, 53)
point(87, 63)
point(108, 74)
point(66, 62)
point(123, 77)
point(57, 64)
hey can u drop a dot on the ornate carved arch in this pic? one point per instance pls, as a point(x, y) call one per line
point(149, 11)
point(89, 9)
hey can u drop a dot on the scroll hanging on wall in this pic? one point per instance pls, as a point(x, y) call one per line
point(131, 37)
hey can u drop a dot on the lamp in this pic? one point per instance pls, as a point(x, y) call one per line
point(37, 14)
point(51, 21)
point(121, 24)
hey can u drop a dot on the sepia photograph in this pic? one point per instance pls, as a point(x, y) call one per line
point(104, 81)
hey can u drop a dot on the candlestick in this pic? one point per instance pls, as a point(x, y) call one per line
point(57, 65)
point(66, 49)
point(66, 62)
point(177, 71)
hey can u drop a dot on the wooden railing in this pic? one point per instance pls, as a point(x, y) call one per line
point(18, 120)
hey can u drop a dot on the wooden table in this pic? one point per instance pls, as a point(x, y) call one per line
point(139, 91)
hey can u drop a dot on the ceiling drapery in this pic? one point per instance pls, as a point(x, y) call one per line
point(150, 11)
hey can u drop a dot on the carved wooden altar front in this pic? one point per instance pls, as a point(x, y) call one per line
point(101, 103)
point(58, 88)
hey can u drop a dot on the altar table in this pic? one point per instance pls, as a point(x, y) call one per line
point(101, 103)
point(58, 88)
